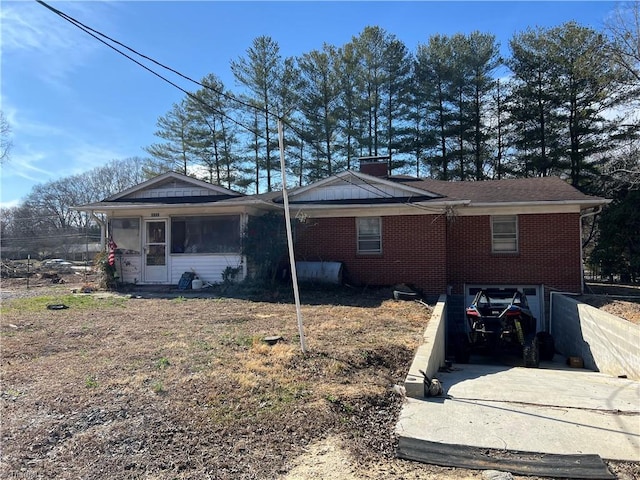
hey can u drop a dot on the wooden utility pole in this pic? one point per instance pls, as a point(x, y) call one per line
point(292, 259)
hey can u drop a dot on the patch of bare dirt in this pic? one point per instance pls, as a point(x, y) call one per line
point(628, 310)
point(18, 282)
point(620, 300)
point(331, 459)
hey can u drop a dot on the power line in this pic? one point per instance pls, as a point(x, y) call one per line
point(86, 28)
point(88, 31)
point(95, 33)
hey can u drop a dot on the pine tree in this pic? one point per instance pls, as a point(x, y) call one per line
point(350, 109)
point(175, 153)
point(213, 133)
point(533, 105)
point(260, 73)
point(483, 60)
point(434, 79)
point(319, 99)
point(398, 69)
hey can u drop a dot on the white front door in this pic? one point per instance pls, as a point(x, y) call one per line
point(155, 251)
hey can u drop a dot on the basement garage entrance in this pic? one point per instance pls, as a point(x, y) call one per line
point(534, 294)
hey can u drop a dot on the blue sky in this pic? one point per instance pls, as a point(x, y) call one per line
point(74, 104)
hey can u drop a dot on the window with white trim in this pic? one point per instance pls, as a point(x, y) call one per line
point(504, 233)
point(369, 234)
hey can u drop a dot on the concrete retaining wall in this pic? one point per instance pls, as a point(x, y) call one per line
point(606, 343)
point(430, 354)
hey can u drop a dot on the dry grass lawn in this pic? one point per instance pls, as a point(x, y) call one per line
point(185, 388)
point(177, 388)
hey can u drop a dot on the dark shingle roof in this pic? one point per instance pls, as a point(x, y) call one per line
point(539, 189)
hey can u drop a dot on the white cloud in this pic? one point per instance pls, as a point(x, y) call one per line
point(39, 165)
point(10, 114)
point(31, 153)
point(28, 165)
point(44, 152)
point(23, 171)
point(31, 165)
point(85, 156)
point(10, 203)
point(20, 125)
point(37, 38)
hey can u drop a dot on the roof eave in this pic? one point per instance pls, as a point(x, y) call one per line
point(586, 203)
point(430, 203)
point(118, 206)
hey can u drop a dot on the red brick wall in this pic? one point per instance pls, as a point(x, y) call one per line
point(413, 250)
point(548, 252)
point(424, 251)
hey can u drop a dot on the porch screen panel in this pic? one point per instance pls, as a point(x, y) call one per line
point(205, 234)
point(504, 231)
point(126, 234)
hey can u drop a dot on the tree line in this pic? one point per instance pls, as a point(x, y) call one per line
point(564, 102)
point(45, 224)
point(454, 109)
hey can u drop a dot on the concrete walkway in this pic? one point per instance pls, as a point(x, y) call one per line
point(551, 410)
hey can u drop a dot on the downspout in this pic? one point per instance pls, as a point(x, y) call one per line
point(244, 223)
point(595, 211)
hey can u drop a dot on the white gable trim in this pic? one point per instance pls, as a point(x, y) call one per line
point(198, 184)
point(373, 187)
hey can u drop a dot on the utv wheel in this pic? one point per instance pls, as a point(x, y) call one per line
point(462, 350)
point(531, 353)
point(546, 345)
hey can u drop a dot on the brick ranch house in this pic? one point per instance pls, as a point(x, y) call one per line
point(452, 237)
point(435, 235)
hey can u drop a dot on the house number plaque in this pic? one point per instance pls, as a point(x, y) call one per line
point(155, 214)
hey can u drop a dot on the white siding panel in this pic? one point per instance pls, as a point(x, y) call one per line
point(209, 268)
point(347, 191)
point(170, 190)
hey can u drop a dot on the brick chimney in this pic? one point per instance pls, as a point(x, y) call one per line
point(374, 166)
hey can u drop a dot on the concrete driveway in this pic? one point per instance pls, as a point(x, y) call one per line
point(551, 410)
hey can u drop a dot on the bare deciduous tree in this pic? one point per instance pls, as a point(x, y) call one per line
point(5, 139)
point(624, 29)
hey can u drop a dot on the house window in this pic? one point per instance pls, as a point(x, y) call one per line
point(126, 234)
point(369, 235)
point(215, 234)
point(504, 233)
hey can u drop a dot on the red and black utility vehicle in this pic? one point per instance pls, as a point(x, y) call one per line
point(499, 319)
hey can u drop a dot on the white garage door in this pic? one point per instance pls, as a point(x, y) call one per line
point(533, 293)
